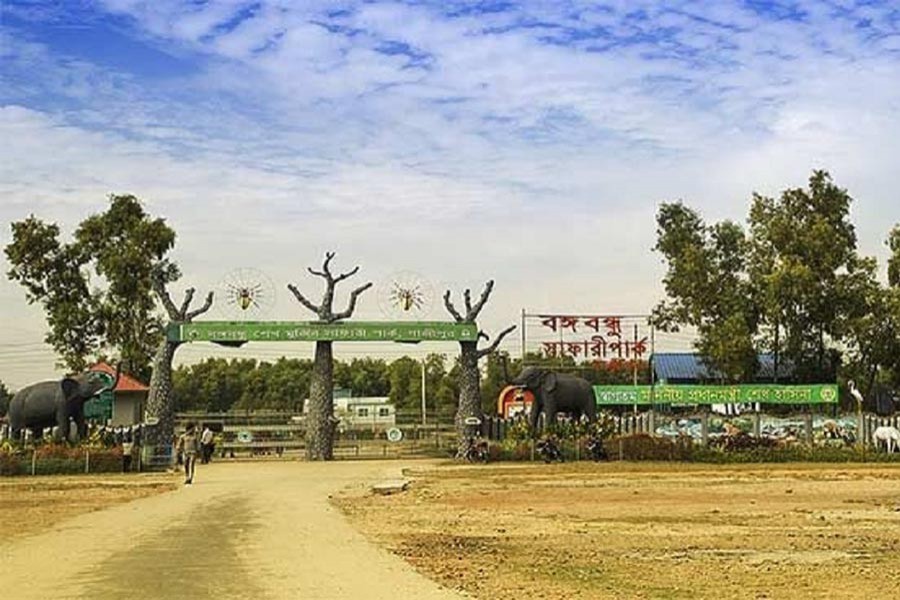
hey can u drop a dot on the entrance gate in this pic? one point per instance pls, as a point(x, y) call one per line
point(275, 433)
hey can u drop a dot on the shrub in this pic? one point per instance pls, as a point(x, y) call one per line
point(643, 446)
point(518, 431)
point(510, 449)
point(56, 459)
point(11, 463)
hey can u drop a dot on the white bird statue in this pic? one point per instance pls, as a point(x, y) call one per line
point(855, 392)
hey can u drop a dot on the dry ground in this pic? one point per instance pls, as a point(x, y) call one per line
point(624, 530)
point(30, 505)
point(248, 531)
point(567, 531)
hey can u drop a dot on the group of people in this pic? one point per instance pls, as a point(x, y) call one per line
point(190, 444)
point(128, 438)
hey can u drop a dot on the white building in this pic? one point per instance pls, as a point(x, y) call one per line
point(375, 412)
point(366, 411)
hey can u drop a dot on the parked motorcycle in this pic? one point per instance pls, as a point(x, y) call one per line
point(477, 450)
point(548, 449)
point(595, 449)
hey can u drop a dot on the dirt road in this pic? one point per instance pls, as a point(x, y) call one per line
point(252, 530)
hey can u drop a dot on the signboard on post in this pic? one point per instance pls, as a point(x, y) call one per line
point(594, 337)
point(100, 407)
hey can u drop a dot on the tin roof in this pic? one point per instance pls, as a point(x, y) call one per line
point(673, 366)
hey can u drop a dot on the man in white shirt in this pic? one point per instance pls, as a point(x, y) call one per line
point(206, 445)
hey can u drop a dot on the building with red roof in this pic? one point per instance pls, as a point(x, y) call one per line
point(129, 397)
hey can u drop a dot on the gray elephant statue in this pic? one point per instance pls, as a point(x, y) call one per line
point(555, 393)
point(53, 403)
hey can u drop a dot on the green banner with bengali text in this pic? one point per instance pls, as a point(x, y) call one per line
point(716, 394)
point(302, 331)
point(100, 407)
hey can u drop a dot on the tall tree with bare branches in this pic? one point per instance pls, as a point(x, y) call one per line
point(469, 375)
point(320, 414)
point(160, 399)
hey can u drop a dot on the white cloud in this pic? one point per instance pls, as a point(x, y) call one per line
point(473, 149)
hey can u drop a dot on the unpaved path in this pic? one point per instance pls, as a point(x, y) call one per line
point(250, 530)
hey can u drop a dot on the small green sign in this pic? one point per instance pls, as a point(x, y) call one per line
point(291, 331)
point(716, 394)
point(99, 408)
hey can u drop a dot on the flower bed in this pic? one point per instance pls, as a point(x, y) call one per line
point(56, 459)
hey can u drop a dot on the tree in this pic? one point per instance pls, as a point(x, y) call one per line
point(868, 325)
point(793, 284)
point(123, 247)
point(499, 365)
point(438, 385)
point(320, 416)
point(128, 249)
point(219, 385)
point(708, 288)
point(52, 274)
point(369, 377)
point(803, 261)
point(289, 385)
point(893, 243)
point(406, 383)
point(873, 328)
point(469, 376)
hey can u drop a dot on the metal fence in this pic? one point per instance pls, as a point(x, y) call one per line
point(274, 434)
point(703, 427)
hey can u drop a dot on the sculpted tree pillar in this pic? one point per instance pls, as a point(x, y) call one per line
point(160, 400)
point(470, 354)
point(320, 412)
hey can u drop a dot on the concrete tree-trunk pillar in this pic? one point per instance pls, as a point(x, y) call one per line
point(320, 421)
point(160, 407)
point(469, 374)
point(320, 412)
point(160, 398)
point(469, 394)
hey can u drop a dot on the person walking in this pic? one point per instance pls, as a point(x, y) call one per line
point(206, 445)
point(127, 450)
point(189, 445)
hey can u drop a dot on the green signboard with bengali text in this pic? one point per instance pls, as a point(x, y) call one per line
point(234, 332)
point(716, 394)
point(99, 408)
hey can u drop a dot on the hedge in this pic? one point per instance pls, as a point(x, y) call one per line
point(56, 459)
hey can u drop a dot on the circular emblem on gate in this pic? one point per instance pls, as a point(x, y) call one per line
point(394, 434)
point(244, 437)
point(246, 294)
point(405, 295)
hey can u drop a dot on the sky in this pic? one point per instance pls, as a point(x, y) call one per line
point(526, 142)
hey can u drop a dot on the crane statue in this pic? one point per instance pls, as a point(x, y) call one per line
point(854, 391)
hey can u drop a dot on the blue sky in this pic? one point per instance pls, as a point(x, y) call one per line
point(529, 142)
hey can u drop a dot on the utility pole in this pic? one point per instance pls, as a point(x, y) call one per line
point(423, 390)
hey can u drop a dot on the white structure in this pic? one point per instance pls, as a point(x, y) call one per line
point(375, 412)
point(366, 411)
